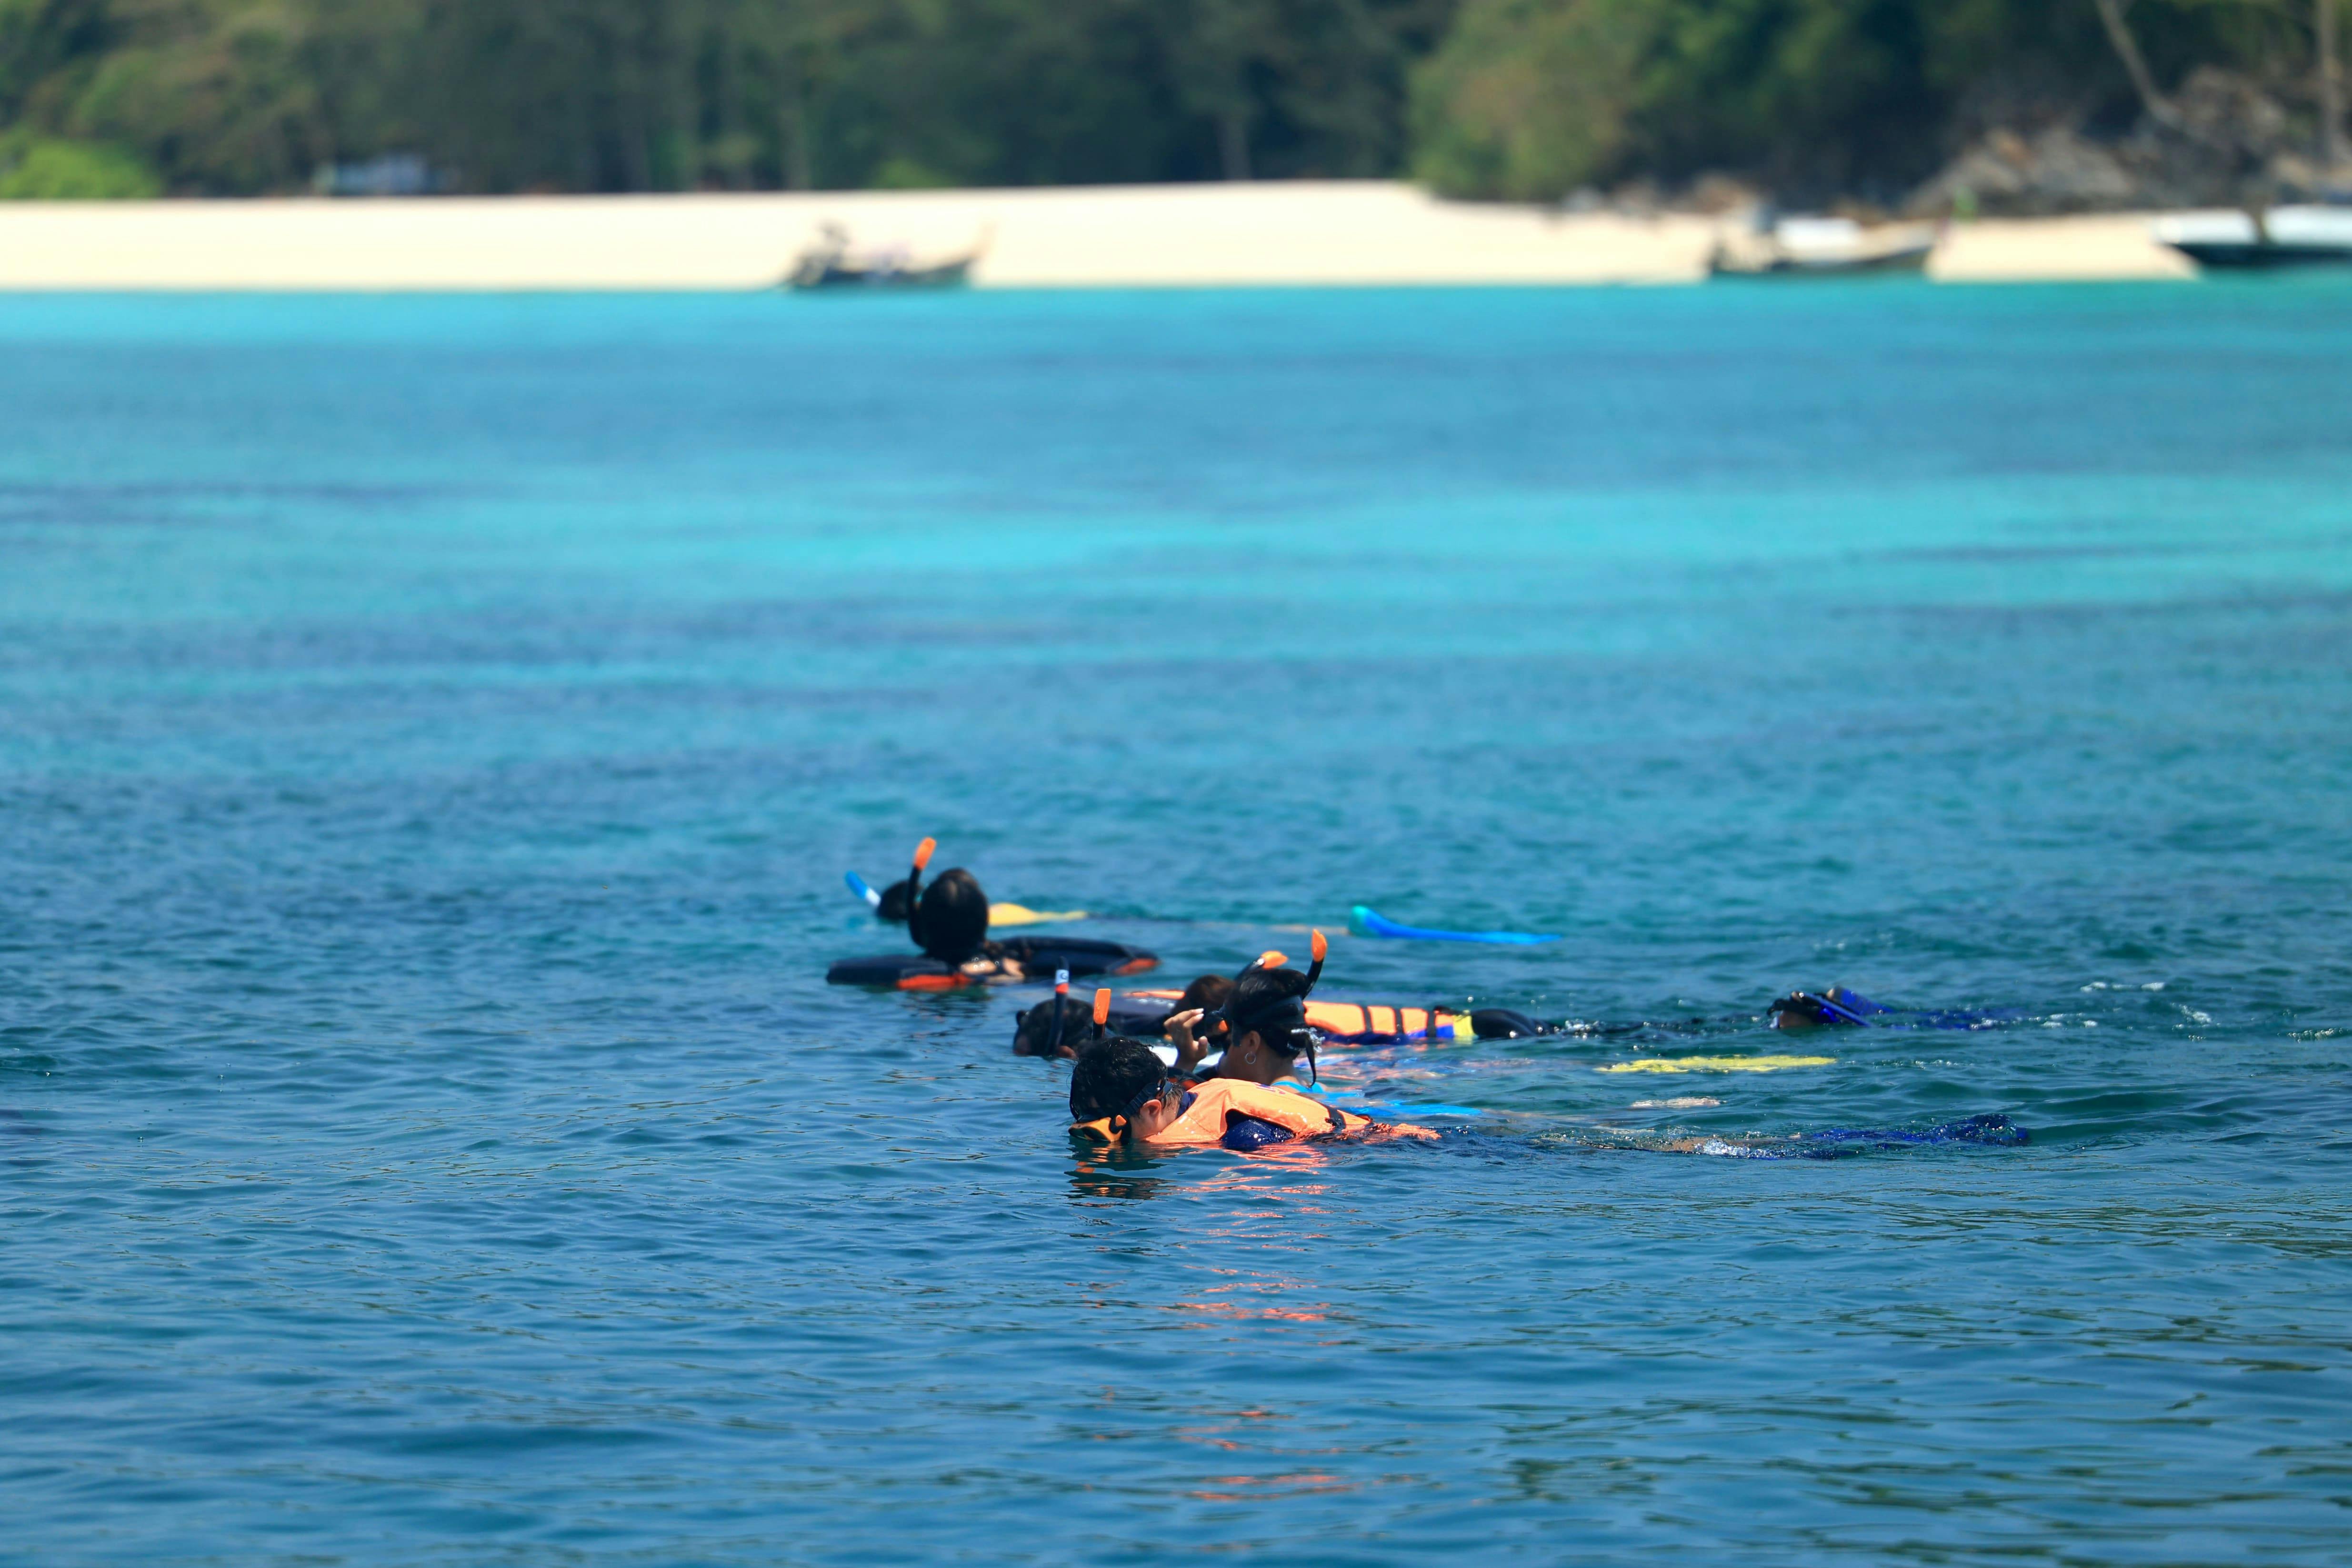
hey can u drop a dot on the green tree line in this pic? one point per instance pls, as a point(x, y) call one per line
point(1528, 98)
point(1521, 98)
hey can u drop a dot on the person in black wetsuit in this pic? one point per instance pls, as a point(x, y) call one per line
point(950, 923)
point(1837, 1008)
point(1035, 1032)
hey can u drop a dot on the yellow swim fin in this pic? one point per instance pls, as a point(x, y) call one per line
point(1022, 915)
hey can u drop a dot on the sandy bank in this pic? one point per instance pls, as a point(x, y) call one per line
point(1355, 232)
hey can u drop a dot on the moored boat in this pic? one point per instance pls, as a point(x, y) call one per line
point(2260, 239)
point(1821, 247)
point(832, 263)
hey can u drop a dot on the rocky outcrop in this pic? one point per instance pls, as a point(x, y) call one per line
point(2225, 143)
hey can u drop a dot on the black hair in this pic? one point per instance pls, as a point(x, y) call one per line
point(1210, 992)
point(1110, 1076)
point(894, 902)
point(1273, 1003)
point(1822, 1010)
point(1507, 1023)
point(1259, 995)
point(951, 920)
point(1033, 1032)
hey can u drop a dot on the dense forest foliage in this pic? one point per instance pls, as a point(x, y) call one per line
point(1528, 98)
point(1525, 99)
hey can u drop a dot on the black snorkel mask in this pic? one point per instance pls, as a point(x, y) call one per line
point(1281, 1023)
point(1818, 1008)
point(1060, 1004)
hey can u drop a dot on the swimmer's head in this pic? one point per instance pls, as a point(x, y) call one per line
point(1034, 1033)
point(951, 918)
point(1120, 1086)
point(1208, 993)
point(1266, 1028)
point(893, 906)
point(1803, 1009)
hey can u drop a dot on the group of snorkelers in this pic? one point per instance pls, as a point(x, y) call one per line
point(1121, 1092)
point(1235, 1039)
point(950, 921)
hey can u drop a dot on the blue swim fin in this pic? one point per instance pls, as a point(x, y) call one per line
point(1364, 922)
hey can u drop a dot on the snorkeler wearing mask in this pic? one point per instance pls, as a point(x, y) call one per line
point(1121, 1093)
point(1261, 1025)
point(1058, 1026)
point(1837, 1008)
point(949, 921)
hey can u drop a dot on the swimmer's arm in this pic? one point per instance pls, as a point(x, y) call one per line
point(1189, 1049)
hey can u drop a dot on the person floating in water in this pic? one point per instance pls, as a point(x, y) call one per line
point(1257, 1018)
point(1262, 1023)
point(949, 921)
point(1837, 1008)
point(1058, 1026)
point(1122, 1093)
point(894, 902)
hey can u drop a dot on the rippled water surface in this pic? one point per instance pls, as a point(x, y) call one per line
point(435, 731)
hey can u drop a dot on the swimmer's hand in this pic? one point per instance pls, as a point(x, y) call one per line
point(1189, 1050)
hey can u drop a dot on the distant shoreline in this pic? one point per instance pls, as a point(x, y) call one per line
point(1332, 234)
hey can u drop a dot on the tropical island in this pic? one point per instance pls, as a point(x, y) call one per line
point(1639, 110)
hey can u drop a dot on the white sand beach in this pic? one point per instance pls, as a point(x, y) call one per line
point(1328, 233)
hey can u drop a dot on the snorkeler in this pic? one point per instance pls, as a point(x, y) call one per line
point(1837, 1008)
point(949, 921)
point(1059, 1025)
point(893, 903)
point(1121, 1093)
point(1262, 1023)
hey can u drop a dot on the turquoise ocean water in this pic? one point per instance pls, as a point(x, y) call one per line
point(433, 732)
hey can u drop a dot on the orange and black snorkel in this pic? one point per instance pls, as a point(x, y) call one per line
point(923, 853)
point(1061, 998)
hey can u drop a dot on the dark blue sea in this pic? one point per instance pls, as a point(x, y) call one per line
point(433, 732)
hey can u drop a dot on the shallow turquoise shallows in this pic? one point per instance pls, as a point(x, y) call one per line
point(433, 732)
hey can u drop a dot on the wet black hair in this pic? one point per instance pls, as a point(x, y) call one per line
point(951, 920)
point(1110, 1076)
point(1270, 1001)
point(1507, 1023)
point(1033, 1032)
point(894, 902)
point(1827, 1009)
point(1210, 992)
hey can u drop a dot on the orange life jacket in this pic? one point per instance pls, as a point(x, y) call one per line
point(1210, 1106)
point(1213, 1103)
